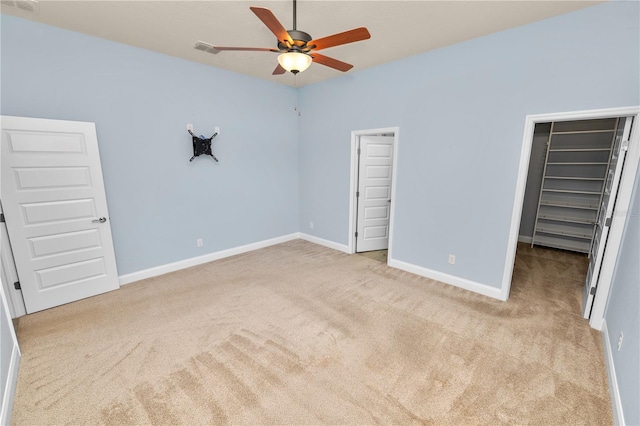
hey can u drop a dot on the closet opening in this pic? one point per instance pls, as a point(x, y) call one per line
point(575, 170)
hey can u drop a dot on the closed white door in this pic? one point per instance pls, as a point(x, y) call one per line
point(374, 192)
point(605, 216)
point(56, 211)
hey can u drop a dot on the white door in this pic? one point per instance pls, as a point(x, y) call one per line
point(374, 192)
point(605, 215)
point(56, 211)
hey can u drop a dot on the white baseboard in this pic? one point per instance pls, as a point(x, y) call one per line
point(187, 263)
point(323, 242)
point(418, 270)
point(616, 403)
point(10, 387)
point(525, 239)
point(464, 283)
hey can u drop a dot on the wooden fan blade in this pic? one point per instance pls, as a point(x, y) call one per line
point(330, 62)
point(279, 70)
point(269, 19)
point(246, 49)
point(350, 36)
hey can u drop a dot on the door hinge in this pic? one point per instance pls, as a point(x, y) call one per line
point(357, 194)
point(607, 222)
point(16, 285)
point(359, 151)
point(356, 234)
point(625, 145)
point(2, 218)
point(592, 291)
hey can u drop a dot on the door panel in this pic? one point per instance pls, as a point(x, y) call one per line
point(376, 232)
point(374, 188)
point(64, 243)
point(378, 193)
point(43, 143)
point(52, 177)
point(50, 213)
point(71, 273)
point(53, 197)
point(377, 172)
point(605, 215)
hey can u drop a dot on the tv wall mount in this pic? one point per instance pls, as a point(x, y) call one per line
point(202, 145)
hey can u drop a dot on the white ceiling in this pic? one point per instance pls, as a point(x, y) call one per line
point(398, 28)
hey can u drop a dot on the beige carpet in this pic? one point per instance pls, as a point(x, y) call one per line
point(379, 255)
point(301, 334)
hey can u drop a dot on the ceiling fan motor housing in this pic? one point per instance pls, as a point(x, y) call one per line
point(300, 38)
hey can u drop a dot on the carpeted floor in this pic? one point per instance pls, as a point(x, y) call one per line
point(301, 334)
point(379, 255)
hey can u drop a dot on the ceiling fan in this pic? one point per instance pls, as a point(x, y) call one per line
point(297, 49)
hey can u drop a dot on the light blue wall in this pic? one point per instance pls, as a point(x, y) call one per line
point(623, 313)
point(461, 112)
point(141, 101)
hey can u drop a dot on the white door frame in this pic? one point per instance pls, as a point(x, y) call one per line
point(353, 201)
point(10, 275)
point(623, 200)
point(9, 391)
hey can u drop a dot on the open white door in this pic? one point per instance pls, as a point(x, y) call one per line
point(607, 206)
point(374, 192)
point(56, 211)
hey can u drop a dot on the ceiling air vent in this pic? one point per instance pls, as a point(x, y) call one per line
point(205, 47)
point(31, 6)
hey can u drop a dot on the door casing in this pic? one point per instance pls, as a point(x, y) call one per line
point(353, 186)
point(622, 204)
point(607, 208)
point(15, 301)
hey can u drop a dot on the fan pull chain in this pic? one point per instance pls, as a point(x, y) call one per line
point(295, 84)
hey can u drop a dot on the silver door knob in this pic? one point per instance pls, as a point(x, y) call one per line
point(101, 220)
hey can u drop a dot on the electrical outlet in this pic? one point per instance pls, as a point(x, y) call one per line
point(452, 259)
point(311, 225)
point(217, 130)
point(190, 126)
point(199, 242)
point(620, 341)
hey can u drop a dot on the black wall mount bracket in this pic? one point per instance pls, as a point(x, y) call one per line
point(202, 145)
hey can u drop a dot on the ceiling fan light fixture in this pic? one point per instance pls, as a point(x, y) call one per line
point(294, 62)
